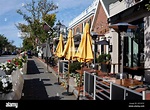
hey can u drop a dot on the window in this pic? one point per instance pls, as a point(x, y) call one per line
point(77, 30)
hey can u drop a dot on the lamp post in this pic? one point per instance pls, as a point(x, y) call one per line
point(94, 36)
point(49, 30)
point(59, 28)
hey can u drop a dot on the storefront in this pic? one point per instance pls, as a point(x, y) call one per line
point(135, 52)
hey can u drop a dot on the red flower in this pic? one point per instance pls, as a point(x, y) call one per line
point(8, 60)
point(16, 63)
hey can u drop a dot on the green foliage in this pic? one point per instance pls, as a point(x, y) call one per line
point(5, 43)
point(33, 13)
point(74, 66)
point(104, 58)
point(148, 6)
point(27, 44)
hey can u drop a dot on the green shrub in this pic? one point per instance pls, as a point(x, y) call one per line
point(74, 66)
point(103, 58)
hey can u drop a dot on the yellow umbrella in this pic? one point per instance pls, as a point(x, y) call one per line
point(69, 50)
point(58, 52)
point(84, 53)
point(60, 47)
point(68, 53)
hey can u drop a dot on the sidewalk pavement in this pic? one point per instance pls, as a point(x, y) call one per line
point(71, 81)
point(39, 84)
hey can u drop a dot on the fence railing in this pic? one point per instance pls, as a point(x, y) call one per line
point(119, 92)
point(95, 88)
point(63, 66)
point(89, 80)
point(99, 88)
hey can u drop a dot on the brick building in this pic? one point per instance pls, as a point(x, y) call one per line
point(96, 15)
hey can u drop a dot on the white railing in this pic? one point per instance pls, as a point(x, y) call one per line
point(95, 88)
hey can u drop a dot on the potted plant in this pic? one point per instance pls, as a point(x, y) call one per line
point(105, 60)
point(74, 66)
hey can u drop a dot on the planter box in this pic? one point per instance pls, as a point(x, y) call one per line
point(17, 82)
point(105, 68)
point(24, 69)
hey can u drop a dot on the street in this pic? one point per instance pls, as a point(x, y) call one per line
point(4, 58)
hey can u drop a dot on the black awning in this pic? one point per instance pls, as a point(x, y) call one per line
point(102, 42)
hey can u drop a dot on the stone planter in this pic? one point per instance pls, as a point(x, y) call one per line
point(2, 96)
point(24, 69)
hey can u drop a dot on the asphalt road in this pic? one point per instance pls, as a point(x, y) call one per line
point(4, 58)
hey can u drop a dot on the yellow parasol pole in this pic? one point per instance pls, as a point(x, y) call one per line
point(58, 53)
point(68, 53)
point(81, 73)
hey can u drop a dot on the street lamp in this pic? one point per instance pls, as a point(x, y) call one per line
point(94, 36)
point(60, 28)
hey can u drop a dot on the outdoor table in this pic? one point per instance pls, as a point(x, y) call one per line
point(129, 83)
point(139, 71)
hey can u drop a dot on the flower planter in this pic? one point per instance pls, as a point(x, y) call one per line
point(24, 69)
point(2, 96)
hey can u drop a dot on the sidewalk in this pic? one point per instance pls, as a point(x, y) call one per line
point(71, 81)
point(40, 84)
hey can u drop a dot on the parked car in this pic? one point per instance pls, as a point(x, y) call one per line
point(14, 53)
point(6, 53)
point(29, 54)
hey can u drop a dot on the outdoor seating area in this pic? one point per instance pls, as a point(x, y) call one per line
point(103, 87)
point(97, 85)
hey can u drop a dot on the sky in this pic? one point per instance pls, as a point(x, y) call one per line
point(66, 12)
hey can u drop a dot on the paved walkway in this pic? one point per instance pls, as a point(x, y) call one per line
point(40, 84)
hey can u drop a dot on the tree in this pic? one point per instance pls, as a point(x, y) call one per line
point(4, 43)
point(27, 44)
point(35, 14)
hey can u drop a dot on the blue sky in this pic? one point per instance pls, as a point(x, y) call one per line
point(67, 11)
